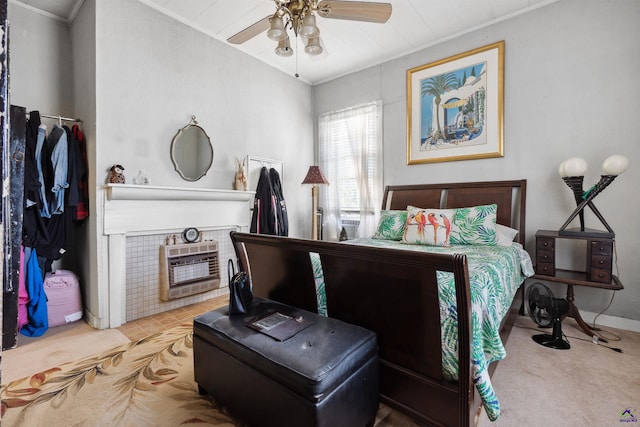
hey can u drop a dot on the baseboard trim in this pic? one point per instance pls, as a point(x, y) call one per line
point(611, 321)
point(93, 321)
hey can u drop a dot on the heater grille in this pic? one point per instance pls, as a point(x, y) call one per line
point(188, 269)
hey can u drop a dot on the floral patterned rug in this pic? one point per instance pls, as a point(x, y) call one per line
point(144, 383)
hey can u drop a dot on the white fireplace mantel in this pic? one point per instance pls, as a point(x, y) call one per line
point(143, 209)
point(139, 209)
point(152, 192)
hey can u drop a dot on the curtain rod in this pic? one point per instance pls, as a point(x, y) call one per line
point(66, 119)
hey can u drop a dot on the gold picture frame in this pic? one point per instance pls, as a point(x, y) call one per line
point(455, 107)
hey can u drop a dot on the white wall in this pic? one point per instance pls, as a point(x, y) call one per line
point(41, 75)
point(571, 89)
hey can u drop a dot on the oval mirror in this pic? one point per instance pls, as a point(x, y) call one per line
point(192, 151)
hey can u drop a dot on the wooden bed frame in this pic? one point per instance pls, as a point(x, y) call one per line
point(404, 315)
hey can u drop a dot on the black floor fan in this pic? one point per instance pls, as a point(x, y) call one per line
point(546, 311)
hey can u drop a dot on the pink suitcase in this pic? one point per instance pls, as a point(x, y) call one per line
point(64, 303)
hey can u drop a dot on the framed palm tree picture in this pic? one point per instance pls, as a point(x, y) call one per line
point(455, 107)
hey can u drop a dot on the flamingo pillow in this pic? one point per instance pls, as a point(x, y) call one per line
point(428, 226)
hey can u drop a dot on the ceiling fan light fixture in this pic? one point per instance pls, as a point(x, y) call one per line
point(299, 16)
point(276, 30)
point(309, 29)
point(284, 48)
point(313, 47)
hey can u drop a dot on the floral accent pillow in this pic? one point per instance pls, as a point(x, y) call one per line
point(475, 226)
point(391, 225)
point(428, 226)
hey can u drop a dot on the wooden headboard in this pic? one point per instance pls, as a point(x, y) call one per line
point(510, 196)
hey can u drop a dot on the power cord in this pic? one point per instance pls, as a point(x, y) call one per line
point(597, 342)
point(594, 339)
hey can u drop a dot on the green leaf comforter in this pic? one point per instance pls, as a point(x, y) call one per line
point(495, 273)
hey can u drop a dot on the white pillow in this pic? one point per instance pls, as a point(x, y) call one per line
point(505, 235)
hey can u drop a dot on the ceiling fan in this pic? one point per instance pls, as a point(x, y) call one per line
point(298, 15)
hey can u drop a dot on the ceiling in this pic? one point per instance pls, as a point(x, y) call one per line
point(349, 46)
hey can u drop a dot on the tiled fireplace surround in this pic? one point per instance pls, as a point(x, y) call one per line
point(143, 273)
point(137, 220)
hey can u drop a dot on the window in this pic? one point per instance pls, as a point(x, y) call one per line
point(350, 155)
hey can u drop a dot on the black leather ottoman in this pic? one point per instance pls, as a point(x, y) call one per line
point(325, 375)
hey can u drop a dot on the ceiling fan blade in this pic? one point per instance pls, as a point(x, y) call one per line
point(355, 10)
point(250, 32)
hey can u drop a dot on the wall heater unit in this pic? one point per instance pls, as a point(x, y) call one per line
point(188, 269)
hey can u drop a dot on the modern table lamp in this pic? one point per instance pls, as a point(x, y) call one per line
point(572, 172)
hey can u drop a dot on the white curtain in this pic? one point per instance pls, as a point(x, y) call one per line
point(350, 155)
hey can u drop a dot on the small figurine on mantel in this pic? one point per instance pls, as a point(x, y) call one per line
point(115, 175)
point(241, 177)
point(142, 178)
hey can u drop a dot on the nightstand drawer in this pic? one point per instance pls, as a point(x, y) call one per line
point(601, 262)
point(601, 248)
point(545, 243)
point(545, 256)
point(545, 268)
point(600, 275)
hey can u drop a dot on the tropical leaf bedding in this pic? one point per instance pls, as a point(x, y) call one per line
point(495, 273)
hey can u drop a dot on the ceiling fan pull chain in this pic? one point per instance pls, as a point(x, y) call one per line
point(297, 75)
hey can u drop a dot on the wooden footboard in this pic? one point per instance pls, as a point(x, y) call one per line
point(391, 292)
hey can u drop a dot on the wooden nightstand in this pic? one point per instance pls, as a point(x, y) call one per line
point(598, 272)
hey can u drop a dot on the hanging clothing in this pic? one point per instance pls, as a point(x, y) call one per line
point(31, 180)
point(43, 163)
point(282, 218)
point(37, 307)
point(81, 211)
point(55, 161)
point(72, 195)
point(263, 220)
point(34, 230)
point(23, 295)
point(57, 145)
point(269, 208)
point(54, 248)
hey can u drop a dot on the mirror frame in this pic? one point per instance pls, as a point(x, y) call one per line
point(193, 123)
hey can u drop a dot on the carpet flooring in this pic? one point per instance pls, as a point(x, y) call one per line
point(587, 385)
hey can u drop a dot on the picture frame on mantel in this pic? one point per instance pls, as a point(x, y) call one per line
point(455, 107)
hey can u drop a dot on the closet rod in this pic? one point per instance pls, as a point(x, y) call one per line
point(66, 119)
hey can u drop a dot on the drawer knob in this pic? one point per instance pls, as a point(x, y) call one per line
point(601, 262)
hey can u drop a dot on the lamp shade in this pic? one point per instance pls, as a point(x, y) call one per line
point(574, 166)
point(313, 46)
point(561, 169)
point(315, 176)
point(615, 165)
point(276, 29)
point(284, 48)
point(309, 28)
